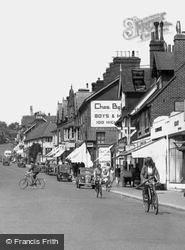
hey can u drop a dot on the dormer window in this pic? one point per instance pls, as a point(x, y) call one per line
point(138, 79)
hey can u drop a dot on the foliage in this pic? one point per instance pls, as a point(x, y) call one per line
point(8, 133)
point(34, 150)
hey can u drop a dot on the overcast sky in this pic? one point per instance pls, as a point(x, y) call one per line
point(47, 46)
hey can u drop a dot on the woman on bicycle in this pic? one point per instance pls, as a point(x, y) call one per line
point(35, 170)
point(149, 170)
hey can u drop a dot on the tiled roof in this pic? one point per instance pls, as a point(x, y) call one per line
point(154, 95)
point(127, 83)
point(124, 113)
point(80, 96)
point(43, 130)
point(28, 120)
point(164, 60)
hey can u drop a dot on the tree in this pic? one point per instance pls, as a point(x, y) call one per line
point(34, 150)
point(14, 126)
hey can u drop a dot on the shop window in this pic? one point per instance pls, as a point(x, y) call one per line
point(100, 137)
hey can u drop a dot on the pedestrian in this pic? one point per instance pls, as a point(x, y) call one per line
point(111, 174)
point(117, 174)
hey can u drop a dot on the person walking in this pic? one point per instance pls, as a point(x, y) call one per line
point(117, 174)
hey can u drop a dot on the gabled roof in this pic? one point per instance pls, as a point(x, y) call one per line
point(126, 81)
point(158, 90)
point(43, 130)
point(28, 120)
point(80, 96)
point(151, 95)
point(97, 93)
point(164, 60)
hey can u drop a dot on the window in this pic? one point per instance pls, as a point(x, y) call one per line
point(47, 150)
point(48, 139)
point(138, 79)
point(100, 137)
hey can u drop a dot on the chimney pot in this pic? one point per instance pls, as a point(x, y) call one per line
point(178, 27)
point(87, 85)
point(153, 36)
point(172, 48)
point(133, 53)
point(169, 48)
point(156, 24)
point(161, 31)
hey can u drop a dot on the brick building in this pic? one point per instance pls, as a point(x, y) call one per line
point(163, 97)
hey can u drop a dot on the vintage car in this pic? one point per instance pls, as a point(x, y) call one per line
point(51, 169)
point(21, 163)
point(64, 173)
point(85, 178)
point(6, 161)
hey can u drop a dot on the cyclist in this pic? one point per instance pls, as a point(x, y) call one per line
point(149, 170)
point(35, 170)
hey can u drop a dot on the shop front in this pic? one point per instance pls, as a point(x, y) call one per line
point(158, 151)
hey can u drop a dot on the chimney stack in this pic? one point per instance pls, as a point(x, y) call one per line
point(87, 85)
point(156, 45)
point(179, 47)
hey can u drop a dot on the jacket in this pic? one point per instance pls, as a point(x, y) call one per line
point(144, 173)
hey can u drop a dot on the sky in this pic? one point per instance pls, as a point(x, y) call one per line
point(48, 45)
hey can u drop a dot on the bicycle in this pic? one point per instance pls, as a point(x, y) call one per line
point(150, 199)
point(28, 181)
point(98, 187)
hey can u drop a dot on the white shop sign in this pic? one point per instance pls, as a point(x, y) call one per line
point(105, 113)
point(104, 156)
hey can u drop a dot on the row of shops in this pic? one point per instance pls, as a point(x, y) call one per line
point(166, 146)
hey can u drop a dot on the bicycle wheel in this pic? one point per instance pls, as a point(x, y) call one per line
point(146, 203)
point(155, 203)
point(40, 182)
point(100, 191)
point(97, 191)
point(23, 183)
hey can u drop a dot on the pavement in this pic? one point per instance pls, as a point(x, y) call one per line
point(170, 198)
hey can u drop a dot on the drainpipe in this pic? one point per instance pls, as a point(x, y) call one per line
point(167, 161)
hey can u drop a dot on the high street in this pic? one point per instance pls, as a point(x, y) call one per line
point(113, 222)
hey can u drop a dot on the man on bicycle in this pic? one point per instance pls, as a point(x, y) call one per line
point(149, 170)
point(35, 170)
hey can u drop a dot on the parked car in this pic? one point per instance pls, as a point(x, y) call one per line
point(6, 161)
point(64, 173)
point(85, 178)
point(51, 169)
point(21, 164)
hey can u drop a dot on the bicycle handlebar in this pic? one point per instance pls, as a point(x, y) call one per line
point(140, 185)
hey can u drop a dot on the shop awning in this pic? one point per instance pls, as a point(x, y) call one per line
point(53, 151)
point(81, 154)
point(59, 152)
point(149, 149)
